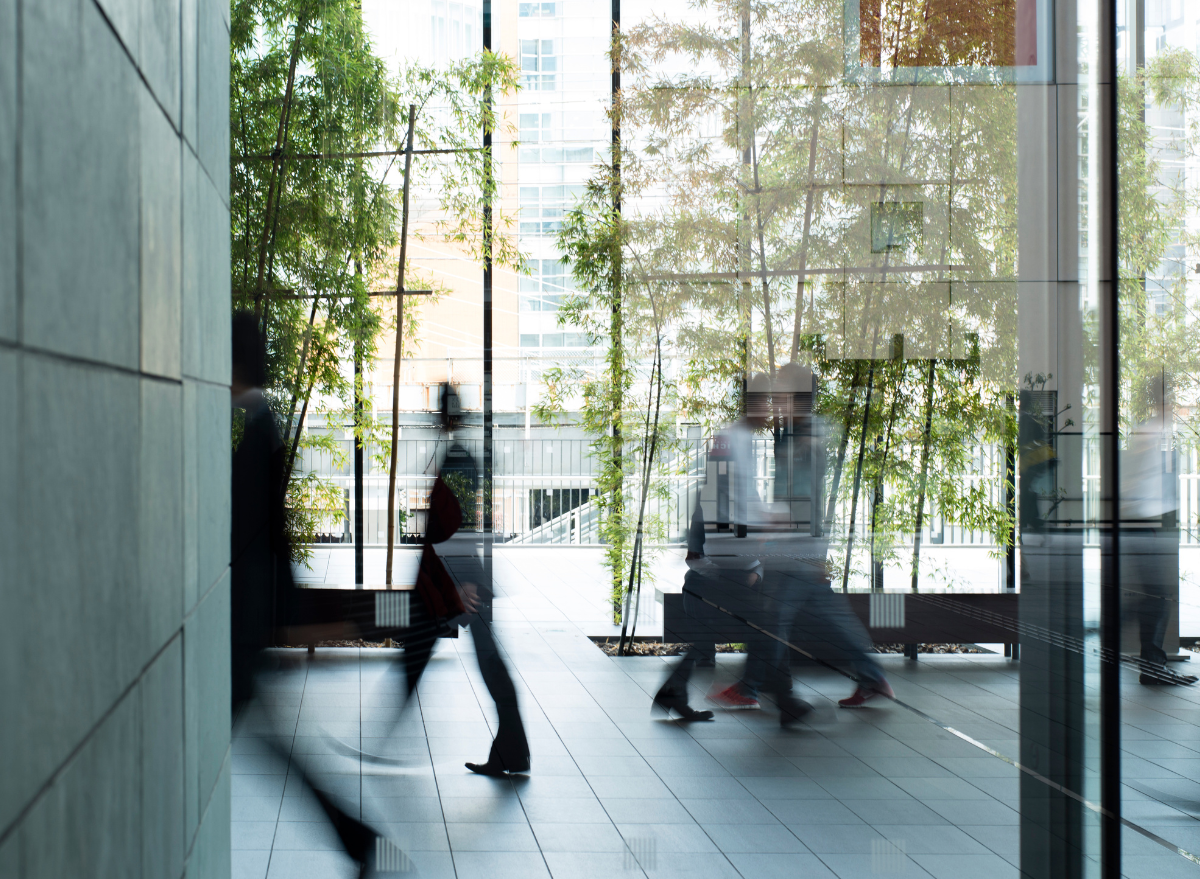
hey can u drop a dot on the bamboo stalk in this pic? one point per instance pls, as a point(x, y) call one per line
point(808, 209)
point(391, 528)
point(831, 505)
point(862, 447)
point(887, 446)
point(762, 257)
point(277, 166)
point(924, 474)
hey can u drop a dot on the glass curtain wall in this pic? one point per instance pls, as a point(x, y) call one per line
point(1158, 78)
point(911, 207)
point(878, 243)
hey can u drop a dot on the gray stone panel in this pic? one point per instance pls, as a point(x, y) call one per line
point(125, 16)
point(79, 185)
point(158, 52)
point(8, 169)
point(189, 72)
point(212, 482)
point(115, 476)
point(212, 92)
point(207, 710)
point(76, 572)
point(162, 242)
point(191, 558)
point(206, 452)
point(160, 512)
point(10, 857)
point(88, 823)
point(9, 429)
point(210, 854)
point(10, 647)
point(161, 693)
point(205, 277)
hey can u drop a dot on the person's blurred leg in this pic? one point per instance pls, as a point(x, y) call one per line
point(357, 838)
point(510, 748)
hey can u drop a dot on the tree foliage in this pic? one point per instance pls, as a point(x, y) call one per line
point(316, 123)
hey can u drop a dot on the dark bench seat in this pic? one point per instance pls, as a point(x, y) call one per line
point(932, 618)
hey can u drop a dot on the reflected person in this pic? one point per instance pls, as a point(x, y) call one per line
point(725, 596)
point(806, 610)
point(786, 596)
point(1150, 534)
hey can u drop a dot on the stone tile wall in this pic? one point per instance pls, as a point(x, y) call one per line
point(114, 439)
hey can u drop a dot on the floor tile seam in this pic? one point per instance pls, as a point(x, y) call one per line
point(967, 683)
point(996, 754)
point(990, 795)
point(676, 798)
point(441, 806)
point(361, 781)
point(582, 774)
point(479, 702)
point(828, 866)
point(291, 747)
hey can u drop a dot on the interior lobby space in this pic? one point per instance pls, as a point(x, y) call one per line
point(550, 438)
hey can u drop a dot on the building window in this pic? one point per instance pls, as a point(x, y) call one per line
point(539, 65)
point(543, 290)
point(452, 30)
point(536, 10)
point(535, 131)
point(542, 208)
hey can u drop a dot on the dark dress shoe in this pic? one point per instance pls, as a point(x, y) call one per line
point(495, 769)
point(677, 702)
point(792, 709)
point(1164, 677)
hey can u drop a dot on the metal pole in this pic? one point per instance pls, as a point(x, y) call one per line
point(1110, 398)
point(487, 328)
point(358, 466)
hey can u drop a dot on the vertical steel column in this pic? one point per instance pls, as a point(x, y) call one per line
point(359, 535)
point(487, 330)
point(614, 91)
point(1107, 209)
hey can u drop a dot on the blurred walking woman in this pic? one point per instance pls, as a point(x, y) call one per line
point(467, 603)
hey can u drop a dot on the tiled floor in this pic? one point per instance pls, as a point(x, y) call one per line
point(874, 793)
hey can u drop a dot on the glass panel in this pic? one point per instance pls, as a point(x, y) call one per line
point(1160, 605)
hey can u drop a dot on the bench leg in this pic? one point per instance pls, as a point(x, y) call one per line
point(910, 650)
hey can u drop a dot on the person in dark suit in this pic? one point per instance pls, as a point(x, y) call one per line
point(261, 586)
point(459, 473)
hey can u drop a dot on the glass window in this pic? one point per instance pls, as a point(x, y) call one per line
point(538, 65)
point(536, 10)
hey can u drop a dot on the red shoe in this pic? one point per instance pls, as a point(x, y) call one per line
point(863, 694)
point(733, 699)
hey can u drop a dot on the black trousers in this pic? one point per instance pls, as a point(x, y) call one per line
point(510, 748)
point(1147, 583)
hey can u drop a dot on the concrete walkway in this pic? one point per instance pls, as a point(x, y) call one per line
point(614, 791)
